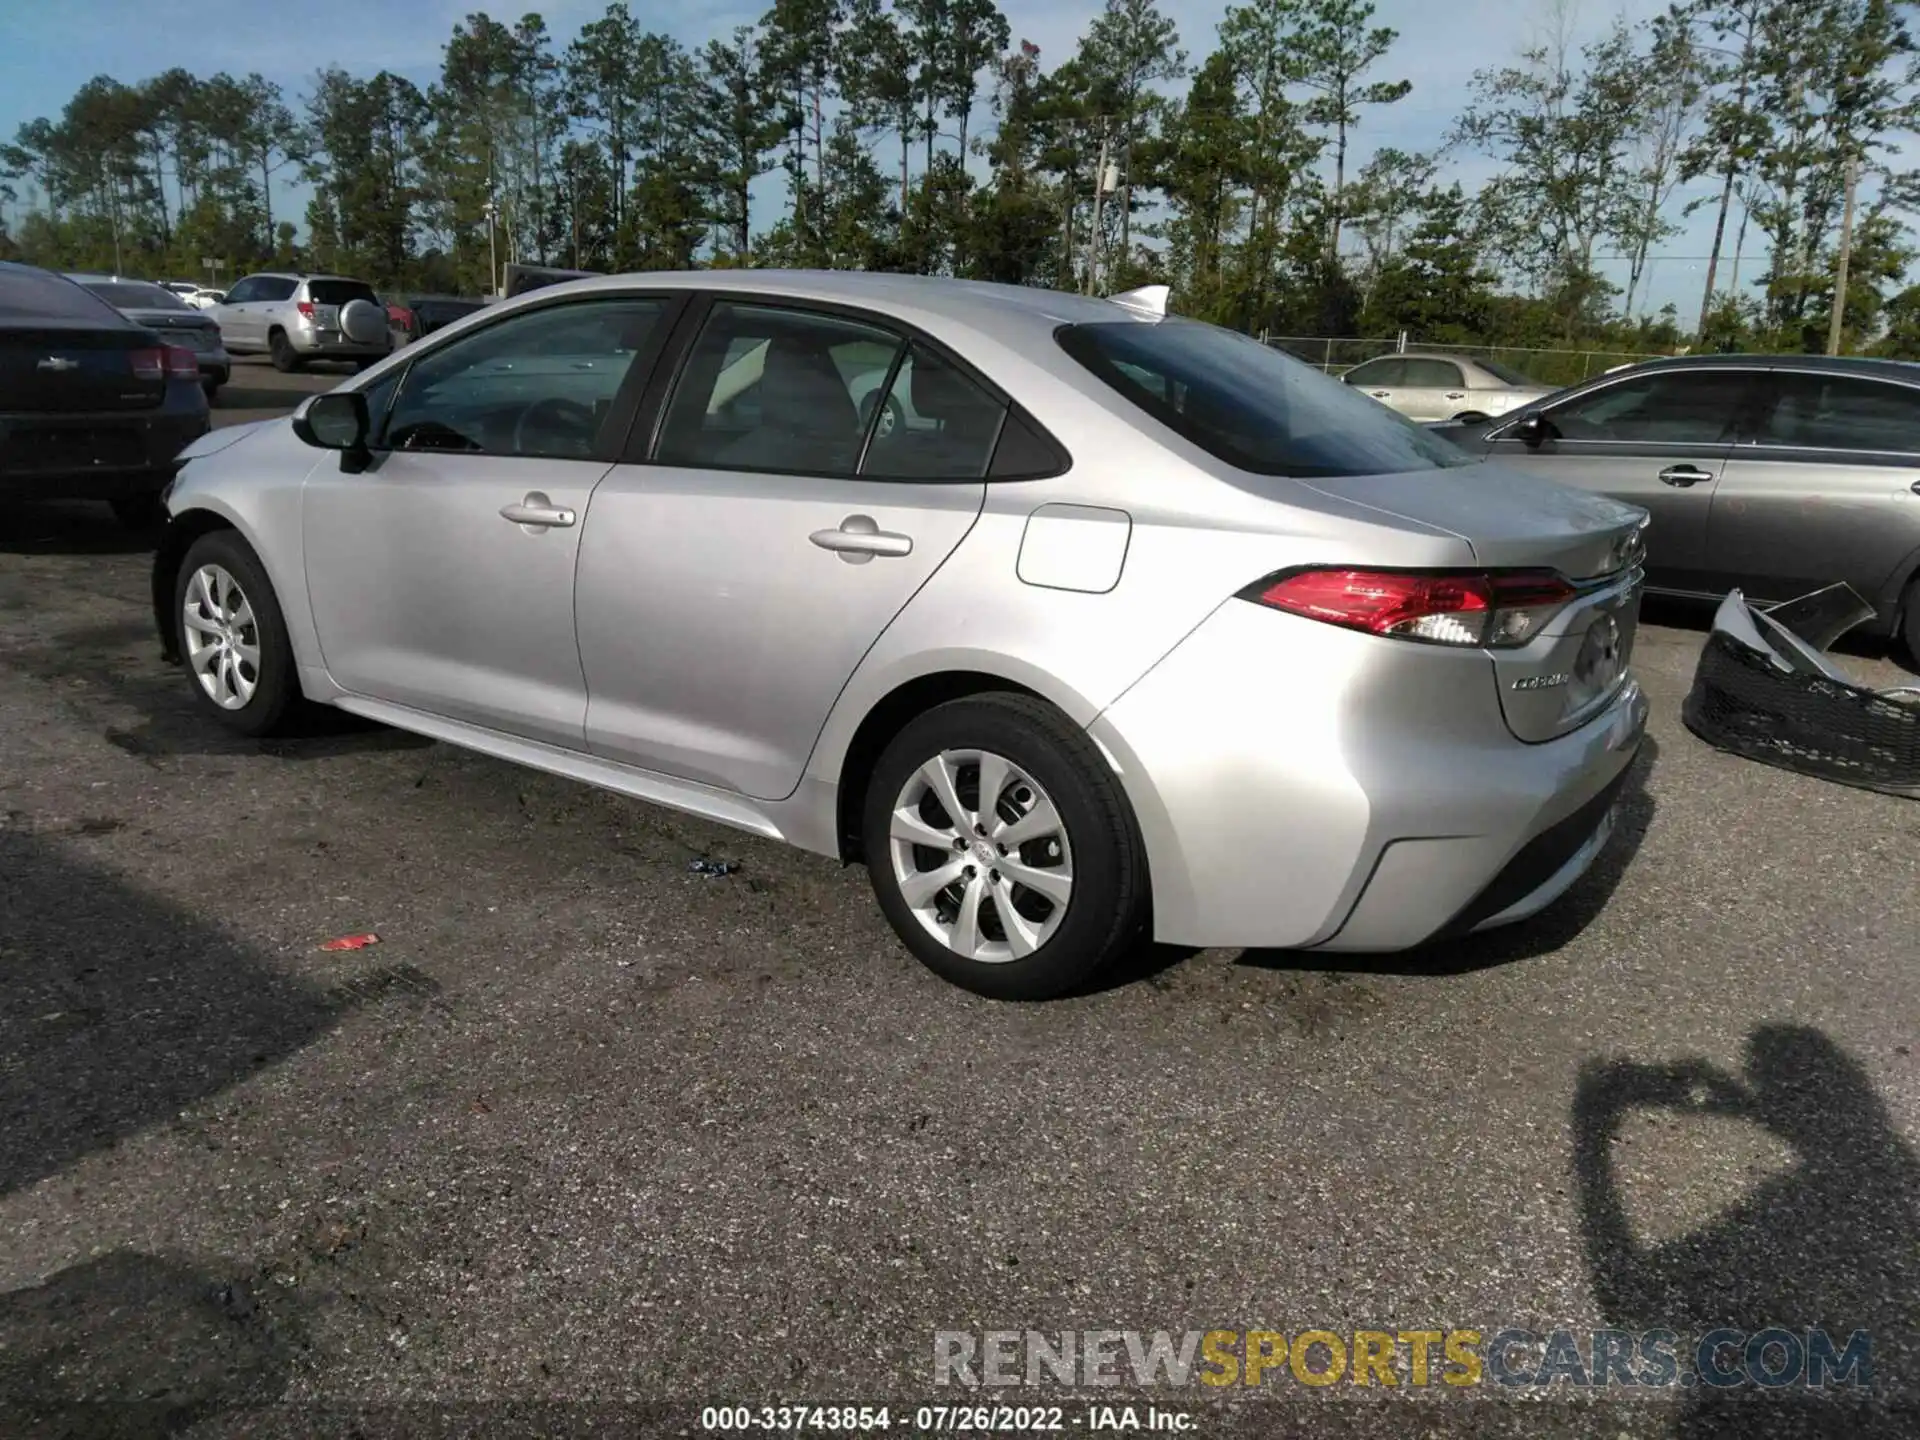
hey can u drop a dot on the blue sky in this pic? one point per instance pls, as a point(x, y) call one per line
point(48, 49)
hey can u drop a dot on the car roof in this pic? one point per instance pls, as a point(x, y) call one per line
point(1001, 312)
point(1827, 364)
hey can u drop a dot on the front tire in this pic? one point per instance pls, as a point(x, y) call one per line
point(280, 349)
point(1002, 849)
point(232, 637)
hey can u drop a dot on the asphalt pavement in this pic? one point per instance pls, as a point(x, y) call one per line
point(589, 1141)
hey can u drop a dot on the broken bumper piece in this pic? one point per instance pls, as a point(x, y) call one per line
point(1765, 689)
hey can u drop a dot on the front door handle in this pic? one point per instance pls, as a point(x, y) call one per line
point(1380, 394)
point(1456, 394)
point(537, 512)
point(1683, 475)
point(858, 540)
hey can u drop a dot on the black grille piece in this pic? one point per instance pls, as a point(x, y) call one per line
point(1744, 704)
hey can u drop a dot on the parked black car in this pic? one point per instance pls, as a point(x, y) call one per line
point(92, 406)
point(172, 318)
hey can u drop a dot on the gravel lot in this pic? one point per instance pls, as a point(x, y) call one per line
point(608, 1141)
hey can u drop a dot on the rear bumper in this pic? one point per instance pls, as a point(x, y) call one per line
point(98, 457)
point(331, 345)
point(1303, 786)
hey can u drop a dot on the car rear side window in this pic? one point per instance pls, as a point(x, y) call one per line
point(339, 292)
point(1251, 405)
point(1673, 407)
point(778, 390)
point(273, 287)
point(29, 296)
point(1841, 412)
point(934, 423)
point(1433, 375)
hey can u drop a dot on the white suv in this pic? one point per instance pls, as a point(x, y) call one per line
point(296, 318)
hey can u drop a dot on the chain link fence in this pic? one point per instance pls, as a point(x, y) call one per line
point(1337, 355)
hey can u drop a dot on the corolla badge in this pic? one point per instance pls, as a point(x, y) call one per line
point(1541, 682)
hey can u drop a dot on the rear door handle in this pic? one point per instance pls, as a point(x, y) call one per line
point(1380, 394)
point(537, 511)
point(1456, 394)
point(1683, 475)
point(859, 539)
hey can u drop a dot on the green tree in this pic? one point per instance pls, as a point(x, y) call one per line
point(1334, 49)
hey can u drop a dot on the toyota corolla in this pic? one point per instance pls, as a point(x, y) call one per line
point(1145, 629)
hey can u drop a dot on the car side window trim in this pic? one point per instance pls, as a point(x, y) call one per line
point(626, 398)
point(644, 439)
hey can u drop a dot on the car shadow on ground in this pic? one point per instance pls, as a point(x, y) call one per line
point(131, 1344)
point(1832, 1242)
point(1545, 933)
point(122, 662)
point(69, 527)
point(120, 1010)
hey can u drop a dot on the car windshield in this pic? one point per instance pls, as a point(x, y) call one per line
point(135, 295)
point(339, 292)
point(1504, 372)
point(1251, 405)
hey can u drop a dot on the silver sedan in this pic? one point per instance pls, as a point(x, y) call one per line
point(1444, 387)
point(1145, 630)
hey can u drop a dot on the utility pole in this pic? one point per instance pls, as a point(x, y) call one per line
point(1835, 326)
point(1099, 196)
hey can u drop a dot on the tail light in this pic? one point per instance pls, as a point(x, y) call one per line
point(148, 364)
point(182, 364)
point(1466, 608)
point(305, 307)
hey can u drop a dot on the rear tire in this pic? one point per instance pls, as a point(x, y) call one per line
point(1468, 417)
point(1073, 835)
point(249, 685)
point(285, 359)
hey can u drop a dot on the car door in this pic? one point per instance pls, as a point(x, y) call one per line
point(733, 577)
point(1824, 486)
point(231, 315)
point(1658, 439)
point(1380, 379)
point(441, 577)
point(1431, 389)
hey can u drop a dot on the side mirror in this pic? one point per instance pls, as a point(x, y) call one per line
point(337, 421)
point(1532, 429)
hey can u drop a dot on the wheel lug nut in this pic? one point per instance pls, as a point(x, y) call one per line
point(1001, 848)
point(959, 843)
point(995, 877)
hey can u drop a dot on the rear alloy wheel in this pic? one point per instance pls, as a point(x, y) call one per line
point(285, 358)
point(1001, 848)
point(232, 636)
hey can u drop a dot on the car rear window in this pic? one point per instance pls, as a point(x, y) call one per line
point(339, 292)
point(1253, 406)
point(30, 296)
point(136, 295)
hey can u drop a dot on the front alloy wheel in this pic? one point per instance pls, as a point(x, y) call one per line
point(223, 638)
point(981, 856)
point(232, 638)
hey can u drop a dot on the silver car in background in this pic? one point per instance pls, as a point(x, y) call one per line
point(1154, 631)
point(164, 312)
point(293, 318)
point(1444, 387)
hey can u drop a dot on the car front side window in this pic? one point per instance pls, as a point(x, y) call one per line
point(774, 389)
point(1692, 407)
point(535, 385)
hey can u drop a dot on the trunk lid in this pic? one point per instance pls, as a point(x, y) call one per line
point(191, 329)
point(78, 369)
point(1569, 672)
